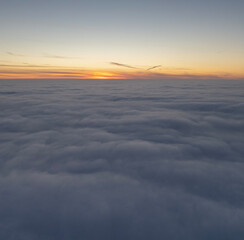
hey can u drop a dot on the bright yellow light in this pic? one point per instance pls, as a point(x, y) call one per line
point(100, 77)
point(104, 75)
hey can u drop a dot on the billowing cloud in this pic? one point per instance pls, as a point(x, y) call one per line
point(92, 159)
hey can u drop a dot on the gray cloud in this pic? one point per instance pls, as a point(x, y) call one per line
point(44, 55)
point(15, 54)
point(129, 66)
point(122, 159)
point(24, 65)
point(153, 67)
point(59, 56)
point(123, 65)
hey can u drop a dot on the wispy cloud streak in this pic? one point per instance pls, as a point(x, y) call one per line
point(129, 66)
point(45, 55)
point(123, 65)
point(15, 54)
point(60, 56)
point(157, 66)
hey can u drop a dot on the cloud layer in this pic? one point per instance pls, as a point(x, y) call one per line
point(88, 159)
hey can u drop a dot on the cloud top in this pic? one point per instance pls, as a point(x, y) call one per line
point(122, 159)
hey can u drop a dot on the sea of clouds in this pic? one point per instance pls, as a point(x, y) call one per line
point(121, 159)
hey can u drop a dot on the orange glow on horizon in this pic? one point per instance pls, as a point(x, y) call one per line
point(52, 72)
point(104, 75)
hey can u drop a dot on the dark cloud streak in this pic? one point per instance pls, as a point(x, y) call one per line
point(153, 67)
point(123, 65)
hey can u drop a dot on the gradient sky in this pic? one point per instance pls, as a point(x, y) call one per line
point(122, 39)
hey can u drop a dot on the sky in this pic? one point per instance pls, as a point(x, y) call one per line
point(122, 39)
point(124, 160)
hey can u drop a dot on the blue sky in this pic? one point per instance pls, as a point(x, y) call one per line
point(203, 36)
